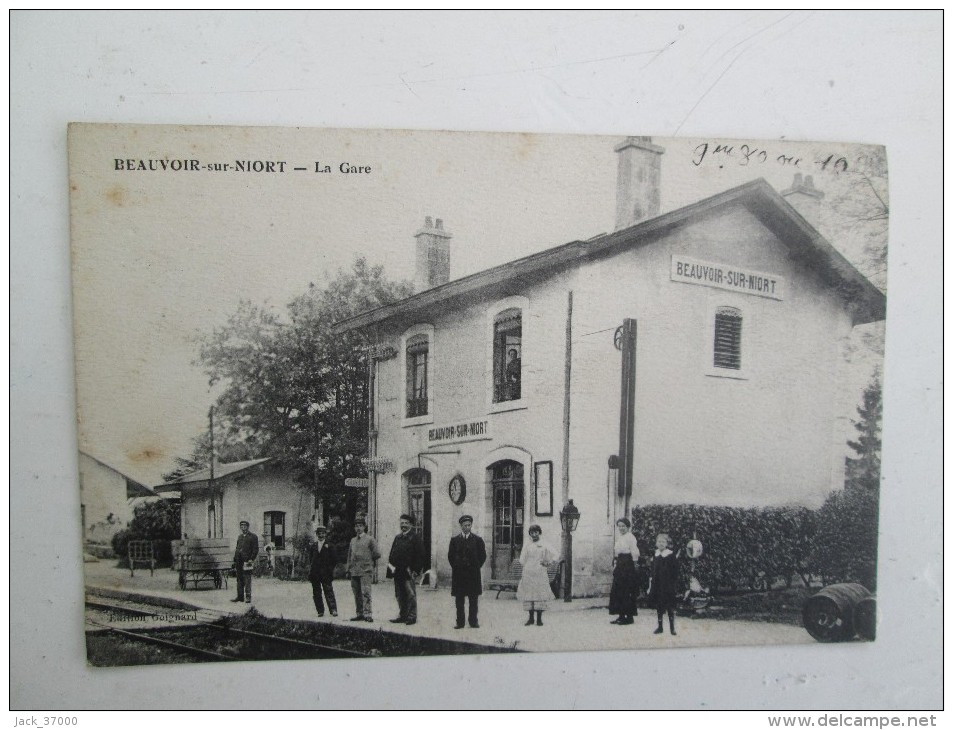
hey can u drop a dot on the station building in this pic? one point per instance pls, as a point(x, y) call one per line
point(690, 357)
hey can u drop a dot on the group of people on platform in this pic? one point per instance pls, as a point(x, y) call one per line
point(467, 555)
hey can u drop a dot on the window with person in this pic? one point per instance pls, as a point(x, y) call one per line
point(418, 348)
point(274, 528)
point(508, 356)
point(727, 350)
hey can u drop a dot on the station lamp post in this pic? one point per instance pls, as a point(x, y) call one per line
point(569, 519)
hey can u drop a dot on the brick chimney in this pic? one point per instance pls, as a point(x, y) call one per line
point(433, 255)
point(805, 198)
point(637, 187)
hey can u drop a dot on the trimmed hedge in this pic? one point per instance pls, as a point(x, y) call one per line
point(744, 548)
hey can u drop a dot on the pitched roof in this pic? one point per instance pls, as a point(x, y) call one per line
point(202, 475)
point(868, 304)
point(133, 487)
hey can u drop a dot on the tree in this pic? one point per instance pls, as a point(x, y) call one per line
point(290, 388)
point(845, 546)
point(863, 471)
point(227, 449)
point(158, 521)
point(860, 211)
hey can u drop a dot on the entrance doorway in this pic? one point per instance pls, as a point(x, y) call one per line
point(418, 496)
point(508, 514)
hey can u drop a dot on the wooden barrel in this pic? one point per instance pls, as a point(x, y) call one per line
point(865, 618)
point(828, 615)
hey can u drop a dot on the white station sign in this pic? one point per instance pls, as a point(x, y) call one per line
point(453, 433)
point(730, 278)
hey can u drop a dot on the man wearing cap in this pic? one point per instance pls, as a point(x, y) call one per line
point(404, 564)
point(246, 550)
point(362, 557)
point(323, 560)
point(467, 556)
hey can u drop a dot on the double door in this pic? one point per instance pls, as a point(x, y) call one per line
point(420, 509)
point(508, 516)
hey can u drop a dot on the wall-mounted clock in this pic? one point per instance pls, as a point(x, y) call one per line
point(457, 489)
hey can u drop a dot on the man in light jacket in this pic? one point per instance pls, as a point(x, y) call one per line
point(362, 557)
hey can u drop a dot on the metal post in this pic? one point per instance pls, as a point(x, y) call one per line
point(567, 536)
point(372, 445)
point(627, 344)
point(217, 523)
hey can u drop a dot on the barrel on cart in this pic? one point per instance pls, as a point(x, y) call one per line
point(829, 615)
point(865, 618)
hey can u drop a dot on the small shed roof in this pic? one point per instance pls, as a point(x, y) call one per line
point(203, 475)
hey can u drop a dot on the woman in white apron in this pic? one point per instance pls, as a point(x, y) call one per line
point(534, 590)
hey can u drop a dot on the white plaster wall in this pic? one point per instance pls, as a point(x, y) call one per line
point(698, 438)
point(103, 491)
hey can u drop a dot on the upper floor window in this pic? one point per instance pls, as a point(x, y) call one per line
point(418, 350)
point(727, 350)
point(508, 355)
point(274, 524)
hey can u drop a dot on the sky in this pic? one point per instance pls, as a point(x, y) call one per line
point(161, 256)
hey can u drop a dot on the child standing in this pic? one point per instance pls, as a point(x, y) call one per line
point(664, 589)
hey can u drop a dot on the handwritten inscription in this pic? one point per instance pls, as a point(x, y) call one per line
point(744, 155)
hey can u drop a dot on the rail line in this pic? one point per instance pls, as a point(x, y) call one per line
point(218, 620)
point(166, 643)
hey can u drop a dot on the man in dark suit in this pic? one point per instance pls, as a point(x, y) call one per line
point(246, 550)
point(323, 560)
point(467, 556)
point(405, 563)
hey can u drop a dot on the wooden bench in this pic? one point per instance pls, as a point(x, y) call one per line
point(513, 575)
point(200, 560)
point(141, 551)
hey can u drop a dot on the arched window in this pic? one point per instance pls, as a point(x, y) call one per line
point(418, 350)
point(727, 350)
point(508, 355)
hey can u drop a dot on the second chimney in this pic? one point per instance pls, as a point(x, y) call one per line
point(637, 187)
point(805, 198)
point(432, 255)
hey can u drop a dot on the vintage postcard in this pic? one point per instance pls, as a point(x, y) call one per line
point(361, 393)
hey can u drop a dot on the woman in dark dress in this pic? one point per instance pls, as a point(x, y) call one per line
point(664, 589)
point(625, 579)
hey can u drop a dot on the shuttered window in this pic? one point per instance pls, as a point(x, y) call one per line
point(418, 348)
point(728, 338)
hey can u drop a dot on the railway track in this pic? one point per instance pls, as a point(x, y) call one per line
point(205, 634)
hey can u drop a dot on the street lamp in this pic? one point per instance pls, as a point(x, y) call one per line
point(569, 519)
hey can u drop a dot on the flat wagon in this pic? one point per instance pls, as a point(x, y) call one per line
point(203, 560)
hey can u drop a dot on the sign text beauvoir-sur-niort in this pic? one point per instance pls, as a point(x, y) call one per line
point(719, 276)
point(466, 431)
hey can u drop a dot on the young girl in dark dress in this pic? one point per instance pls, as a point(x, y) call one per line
point(664, 590)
